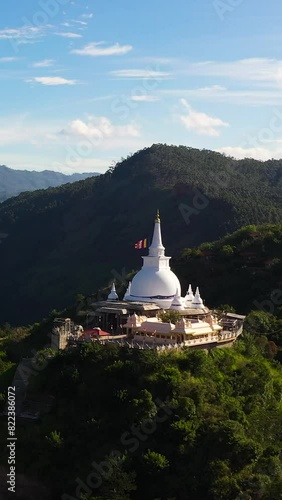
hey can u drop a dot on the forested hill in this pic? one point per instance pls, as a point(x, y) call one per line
point(77, 237)
point(128, 424)
point(243, 269)
point(14, 182)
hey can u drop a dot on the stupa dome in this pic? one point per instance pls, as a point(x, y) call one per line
point(197, 301)
point(155, 282)
point(177, 303)
point(189, 297)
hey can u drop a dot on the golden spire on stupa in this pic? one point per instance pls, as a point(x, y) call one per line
point(158, 219)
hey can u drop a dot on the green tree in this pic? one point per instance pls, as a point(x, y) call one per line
point(55, 439)
point(260, 322)
point(155, 462)
point(170, 316)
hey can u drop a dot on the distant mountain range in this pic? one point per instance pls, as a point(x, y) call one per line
point(78, 237)
point(14, 182)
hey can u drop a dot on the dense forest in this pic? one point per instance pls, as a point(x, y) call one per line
point(109, 409)
point(243, 268)
point(78, 237)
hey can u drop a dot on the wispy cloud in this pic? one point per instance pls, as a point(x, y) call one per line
point(83, 23)
point(252, 69)
point(87, 16)
point(144, 98)
point(52, 80)
point(45, 63)
point(242, 96)
point(199, 122)
point(159, 60)
point(68, 34)
point(98, 49)
point(140, 73)
point(23, 33)
point(8, 59)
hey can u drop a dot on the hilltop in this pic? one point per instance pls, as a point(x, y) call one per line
point(14, 182)
point(78, 237)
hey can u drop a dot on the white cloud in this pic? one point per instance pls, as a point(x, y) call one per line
point(158, 60)
point(97, 49)
point(83, 23)
point(252, 69)
point(144, 98)
point(258, 153)
point(218, 93)
point(45, 63)
point(24, 34)
point(99, 127)
point(52, 80)
point(140, 73)
point(201, 123)
point(100, 133)
point(8, 59)
point(87, 16)
point(67, 34)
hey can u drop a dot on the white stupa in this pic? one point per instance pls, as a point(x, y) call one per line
point(177, 303)
point(197, 301)
point(113, 294)
point(188, 301)
point(155, 282)
point(127, 293)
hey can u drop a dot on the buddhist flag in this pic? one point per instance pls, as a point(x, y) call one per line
point(141, 244)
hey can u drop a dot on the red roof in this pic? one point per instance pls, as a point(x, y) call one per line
point(95, 332)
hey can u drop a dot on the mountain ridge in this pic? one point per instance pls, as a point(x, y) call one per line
point(15, 181)
point(77, 237)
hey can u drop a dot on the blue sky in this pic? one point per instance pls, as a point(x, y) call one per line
point(84, 83)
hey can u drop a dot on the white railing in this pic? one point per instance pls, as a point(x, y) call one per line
point(161, 344)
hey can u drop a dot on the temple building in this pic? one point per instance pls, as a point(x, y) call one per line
point(153, 289)
point(156, 283)
point(137, 317)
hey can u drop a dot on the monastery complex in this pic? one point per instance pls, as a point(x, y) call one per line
point(136, 320)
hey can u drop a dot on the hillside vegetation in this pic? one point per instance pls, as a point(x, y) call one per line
point(129, 424)
point(243, 269)
point(78, 237)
